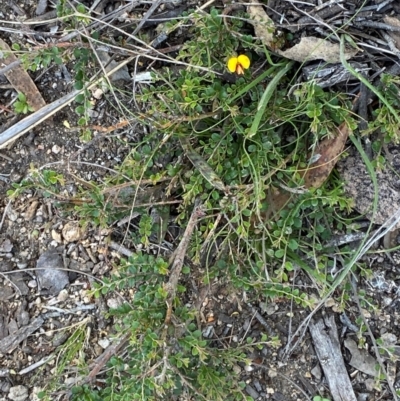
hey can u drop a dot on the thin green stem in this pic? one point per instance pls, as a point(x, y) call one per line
point(266, 97)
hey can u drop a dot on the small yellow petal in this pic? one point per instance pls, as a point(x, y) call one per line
point(244, 61)
point(232, 64)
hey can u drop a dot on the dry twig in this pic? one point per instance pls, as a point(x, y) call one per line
point(177, 263)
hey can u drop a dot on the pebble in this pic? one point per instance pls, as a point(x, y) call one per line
point(70, 381)
point(257, 385)
point(18, 393)
point(252, 392)
point(71, 232)
point(387, 301)
point(49, 273)
point(23, 318)
point(5, 386)
point(248, 368)
point(104, 343)
point(56, 236)
point(113, 303)
point(237, 369)
point(59, 339)
point(6, 246)
point(316, 372)
point(32, 284)
point(11, 214)
point(62, 296)
point(56, 149)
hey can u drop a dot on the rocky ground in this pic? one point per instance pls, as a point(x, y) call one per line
point(49, 262)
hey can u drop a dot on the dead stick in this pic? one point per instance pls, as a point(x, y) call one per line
point(177, 264)
point(101, 361)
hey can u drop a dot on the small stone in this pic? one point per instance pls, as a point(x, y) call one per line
point(237, 369)
point(272, 373)
point(316, 372)
point(5, 386)
point(104, 343)
point(6, 246)
point(6, 293)
point(387, 301)
point(18, 393)
point(59, 339)
point(252, 392)
point(113, 303)
point(389, 339)
point(366, 313)
point(268, 308)
point(70, 381)
point(62, 296)
point(56, 149)
point(50, 273)
point(22, 265)
point(257, 385)
point(23, 318)
point(248, 368)
point(330, 302)
point(72, 232)
point(98, 93)
point(32, 284)
point(11, 214)
point(56, 236)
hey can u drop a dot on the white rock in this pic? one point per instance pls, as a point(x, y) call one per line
point(113, 303)
point(104, 343)
point(71, 232)
point(56, 149)
point(56, 236)
point(98, 93)
point(62, 296)
point(18, 393)
point(32, 284)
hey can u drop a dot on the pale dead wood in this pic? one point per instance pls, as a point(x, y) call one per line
point(9, 343)
point(20, 79)
point(179, 256)
point(101, 361)
point(325, 337)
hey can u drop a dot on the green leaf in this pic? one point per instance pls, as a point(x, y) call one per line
point(78, 85)
point(80, 110)
point(81, 8)
point(293, 244)
point(80, 98)
point(21, 97)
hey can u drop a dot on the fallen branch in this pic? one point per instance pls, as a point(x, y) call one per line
point(177, 263)
point(325, 337)
point(101, 361)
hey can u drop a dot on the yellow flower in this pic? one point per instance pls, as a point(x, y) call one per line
point(238, 64)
